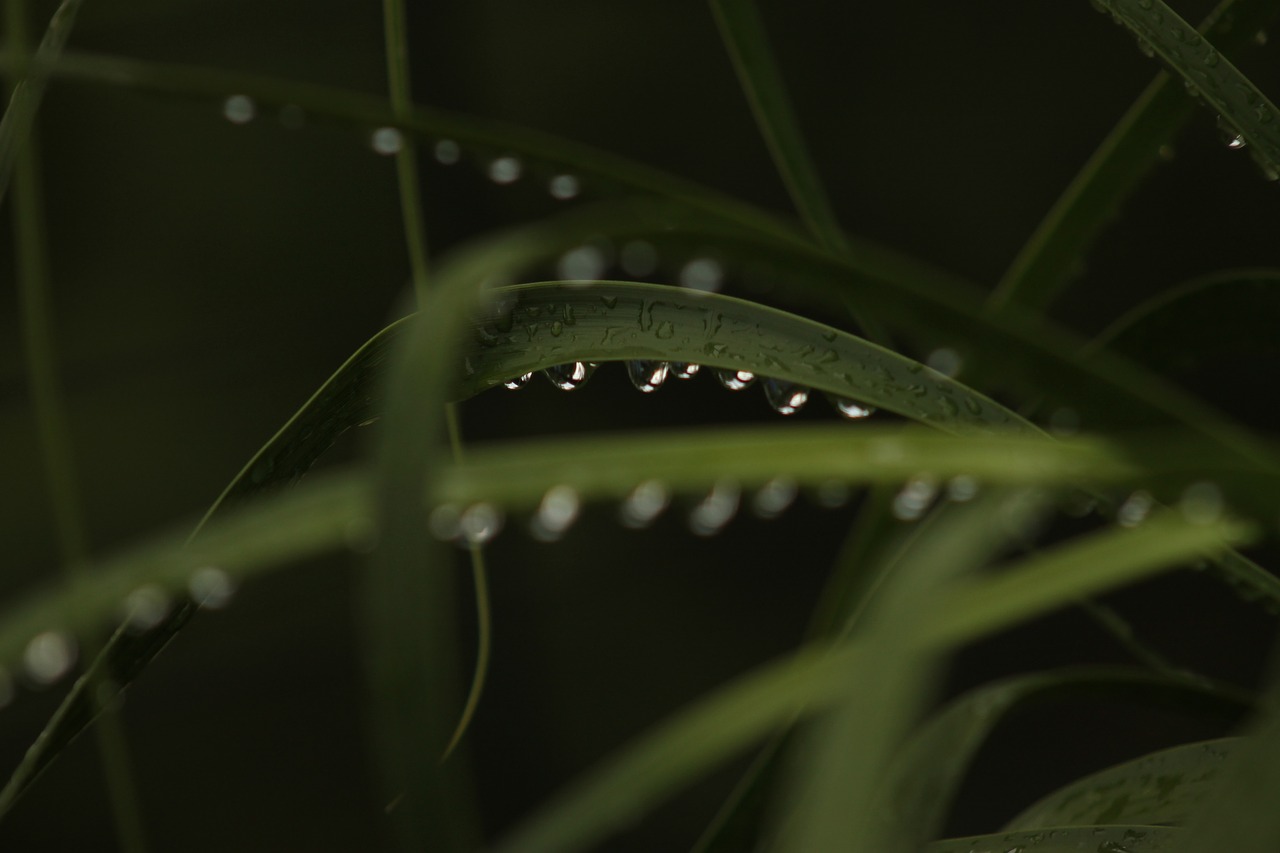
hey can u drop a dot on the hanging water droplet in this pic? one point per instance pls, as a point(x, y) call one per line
point(292, 117)
point(556, 513)
point(518, 382)
point(581, 263)
point(1202, 503)
point(785, 397)
point(703, 274)
point(571, 376)
point(1135, 509)
point(447, 152)
point(961, 488)
point(716, 510)
point(386, 141)
point(211, 588)
point(1235, 143)
point(832, 494)
point(638, 258)
point(563, 187)
point(852, 409)
point(684, 369)
point(915, 497)
point(505, 170)
point(443, 522)
point(774, 497)
point(479, 523)
point(144, 608)
point(945, 360)
point(645, 503)
point(239, 109)
point(735, 380)
point(647, 376)
point(49, 656)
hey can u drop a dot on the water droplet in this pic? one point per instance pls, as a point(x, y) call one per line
point(1236, 142)
point(556, 513)
point(716, 510)
point(647, 376)
point(645, 503)
point(665, 330)
point(581, 263)
point(962, 488)
point(479, 523)
point(1202, 503)
point(945, 360)
point(735, 380)
point(386, 141)
point(518, 382)
point(210, 588)
point(1135, 509)
point(239, 109)
point(557, 328)
point(915, 497)
point(684, 369)
point(832, 494)
point(703, 274)
point(638, 258)
point(1064, 421)
point(774, 497)
point(571, 376)
point(505, 170)
point(49, 656)
point(852, 409)
point(443, 522)
point(292, 117)
point(785, 397)
point(447, 152)
point(563, 187)
point(1260, 37)
point(144, 608)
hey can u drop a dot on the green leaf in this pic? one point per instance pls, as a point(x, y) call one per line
point(1068, 839)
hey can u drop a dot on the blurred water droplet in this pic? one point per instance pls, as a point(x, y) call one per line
point(386, 141)
point(852, 409)
point(571, 376)
point(638, 258)
point(505, 170)
point(443, 522)
point(144, 608)
point(647, 376)
point(716, 510)
point(556, 513)
point(645, 503)
point(563, 187)
point(703, 274)
point(1202, 503)
point(211, 587)
point(292, 117)
point(945, 360)
point(832, 494)
point(447, 152)
point(961, 488)
point(785, 397)
point(581, 263)
point(914, 498)
point(49, 656)
point(518, 382)
point(774, 497)
point(684, 369)
point(239, 109)
point(735, 380)
point(479, 523)
point(1135, 509)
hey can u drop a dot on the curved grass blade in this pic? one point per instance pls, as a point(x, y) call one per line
point(1128, 154)
point(1069, 839)
point(1161, 788)
point(1244, 112)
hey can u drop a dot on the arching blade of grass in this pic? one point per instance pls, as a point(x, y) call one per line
point(1245, 113)
point(1160, 788)
point(1128, 154)
point(1068, 839)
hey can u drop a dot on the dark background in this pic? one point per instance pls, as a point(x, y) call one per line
point(208, 277)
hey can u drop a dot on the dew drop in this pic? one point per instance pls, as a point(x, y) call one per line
point(518, 382)
point(145, 608)
point(703, 274)
point(735, 380)
point(645, 503)
point(571, 376)
point(852, 409)
point(1135, 509)
point(556, 513)
point(49, 656)
point(665, 330)
point(386, 141)
point(785, 397)
point(447, 152)
point(774, 497)
point(647, 376)
point(444, 521)
point(961, 488)
point(945, 360)
point(239, 109)
point(638, 258)
point(581, 263)
point(684, 369)
point(1202, 503)
point(915, 497)
point(563, 187)
point(716, 510)
point(479, 523)
point(1235, 143)
point(211, 588)
point(505, 170)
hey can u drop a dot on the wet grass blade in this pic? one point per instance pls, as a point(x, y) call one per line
point(1069, 839)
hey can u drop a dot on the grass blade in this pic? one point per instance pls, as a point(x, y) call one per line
point(1071, 839)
